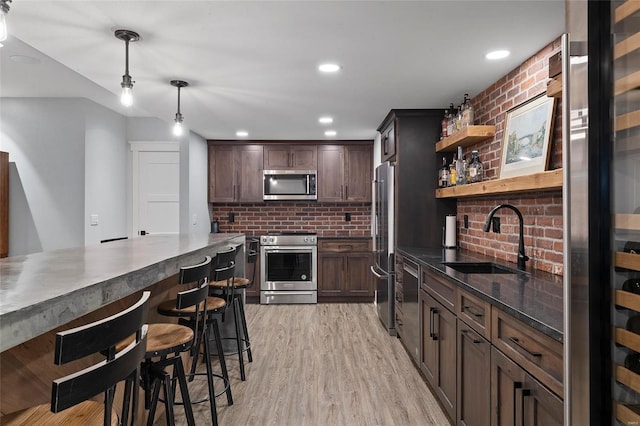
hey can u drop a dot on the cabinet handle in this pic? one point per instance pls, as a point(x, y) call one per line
point(468, 309)
point(473, 339)
point(346, 192)
point(341, 191)
point(433, 313)
point(431, 322)
point(516, 342)
point(384, 144)
point(525, 393)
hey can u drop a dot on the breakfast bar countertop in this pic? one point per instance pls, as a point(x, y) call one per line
point(534, 297)
point(41, 291)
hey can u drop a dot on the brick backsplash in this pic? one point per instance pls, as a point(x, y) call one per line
point(326, 219)
point(542, 211)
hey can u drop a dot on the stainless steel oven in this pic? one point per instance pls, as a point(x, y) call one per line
point(288, 268)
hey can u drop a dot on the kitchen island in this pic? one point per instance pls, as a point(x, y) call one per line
point(45, 292)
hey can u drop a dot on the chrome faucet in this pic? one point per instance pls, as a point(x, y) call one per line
point(522, 258)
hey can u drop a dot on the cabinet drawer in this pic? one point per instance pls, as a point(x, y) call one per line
point(440, 288)
point(344, 246)
point(476, 313)
point(538, 354)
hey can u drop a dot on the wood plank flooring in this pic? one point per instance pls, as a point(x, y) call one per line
point(326, 364)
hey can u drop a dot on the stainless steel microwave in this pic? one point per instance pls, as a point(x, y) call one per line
point(290, 185)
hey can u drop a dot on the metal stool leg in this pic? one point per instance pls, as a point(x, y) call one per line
point(244, 329)
point(236, 313)
point(223, 363)
point(212, 394)
point(184, 390)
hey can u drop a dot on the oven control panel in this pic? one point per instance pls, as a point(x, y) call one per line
point(292, 240)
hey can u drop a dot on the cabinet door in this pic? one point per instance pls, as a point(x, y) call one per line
point(330, 173)
point(358, 171)
point(474, 379)
point(330, 274)
point(507, 380)
point(250, 173)
point(445, 332)
point(276, 157)
point(540, 406)
point(304, 157)
point(429, 352)
point(388, 144)
point(359, 280)
point(222, 176)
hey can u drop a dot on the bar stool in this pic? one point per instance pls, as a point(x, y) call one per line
point(72, 393)
point(240, 283)
point(199, 321)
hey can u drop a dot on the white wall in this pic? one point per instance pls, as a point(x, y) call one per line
point(106, 173)
point(70, 158)
point(198, 173)
point(45, 141)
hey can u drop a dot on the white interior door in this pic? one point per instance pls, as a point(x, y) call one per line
point(156, 191)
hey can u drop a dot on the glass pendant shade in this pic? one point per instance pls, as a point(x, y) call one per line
point(3, 25)
point(126, 98)
point(177, 129)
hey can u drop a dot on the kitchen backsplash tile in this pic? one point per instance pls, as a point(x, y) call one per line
point(325, 219)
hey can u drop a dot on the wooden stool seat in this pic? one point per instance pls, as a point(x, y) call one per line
point(168, 307)
point(83, 414)
point(164, 338)
point(238, 282)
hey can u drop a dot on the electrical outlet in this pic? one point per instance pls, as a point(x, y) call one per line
point(232, 217)
point(466, 221)
point(194, 219)
point(347, 217)
point(94, 220)
point(496, 224)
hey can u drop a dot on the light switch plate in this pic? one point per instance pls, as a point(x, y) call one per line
point(94, 220)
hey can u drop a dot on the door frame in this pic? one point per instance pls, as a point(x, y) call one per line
point(136, 148)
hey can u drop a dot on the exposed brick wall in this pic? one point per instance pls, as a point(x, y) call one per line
point(542, 211)
point(325, 219)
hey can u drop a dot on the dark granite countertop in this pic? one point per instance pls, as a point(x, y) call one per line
point(344, 237)
point(534, 297)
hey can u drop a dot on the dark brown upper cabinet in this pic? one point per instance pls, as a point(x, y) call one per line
point(235, 173)
point(296, 157)
point(344, 173)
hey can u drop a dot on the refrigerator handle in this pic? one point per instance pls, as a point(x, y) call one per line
point(373, 271)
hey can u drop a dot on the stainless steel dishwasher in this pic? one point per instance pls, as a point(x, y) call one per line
point(411, 309)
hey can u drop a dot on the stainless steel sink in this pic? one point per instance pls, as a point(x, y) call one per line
point(479, 268)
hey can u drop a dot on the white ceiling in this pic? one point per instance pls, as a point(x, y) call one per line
point(252, 65)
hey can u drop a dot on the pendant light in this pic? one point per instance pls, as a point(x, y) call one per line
point(126, 98)
point(4, 9)
point(177, 128)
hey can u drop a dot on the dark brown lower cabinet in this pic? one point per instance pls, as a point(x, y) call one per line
point(474, 378)
point(438, 355)
point(519, 399)
point(344, 272)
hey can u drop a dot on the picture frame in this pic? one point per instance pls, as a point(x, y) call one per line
point(527, 137)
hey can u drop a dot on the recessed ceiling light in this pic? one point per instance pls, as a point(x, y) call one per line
point(242, 133)
point(330, 133)
point(325, 120)
point(329, 67)
point(23, 59)
point(497, 54)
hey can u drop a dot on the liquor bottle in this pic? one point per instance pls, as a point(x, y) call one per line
point(633, 324)
point(632, 362)
point(443, 175)
point(465, 172)
point(632, 285)
point(476, 169)
point(459, 119)
point(444, 124)
point(459, 171)
point(450, 121)
point(453, 177)
point(467, 111)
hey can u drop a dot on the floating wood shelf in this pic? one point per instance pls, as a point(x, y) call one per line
point(543, 181)
point(627, 121)
point(627, 339)
point(627, 83)
point(627, 221)
point(554, 87)
point(626, 46)
point(627, 300)
point(627, 261)
point(627, 415)
point(466, 137)
point(627, 377)
point(625, 10)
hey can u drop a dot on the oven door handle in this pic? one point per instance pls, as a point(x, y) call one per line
point(296, 250)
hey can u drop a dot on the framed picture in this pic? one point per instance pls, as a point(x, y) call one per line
point(527, 137)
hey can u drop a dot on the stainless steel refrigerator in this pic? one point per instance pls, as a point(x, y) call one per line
point(383, 244)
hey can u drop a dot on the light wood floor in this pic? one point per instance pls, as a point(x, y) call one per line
point(326, 364)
